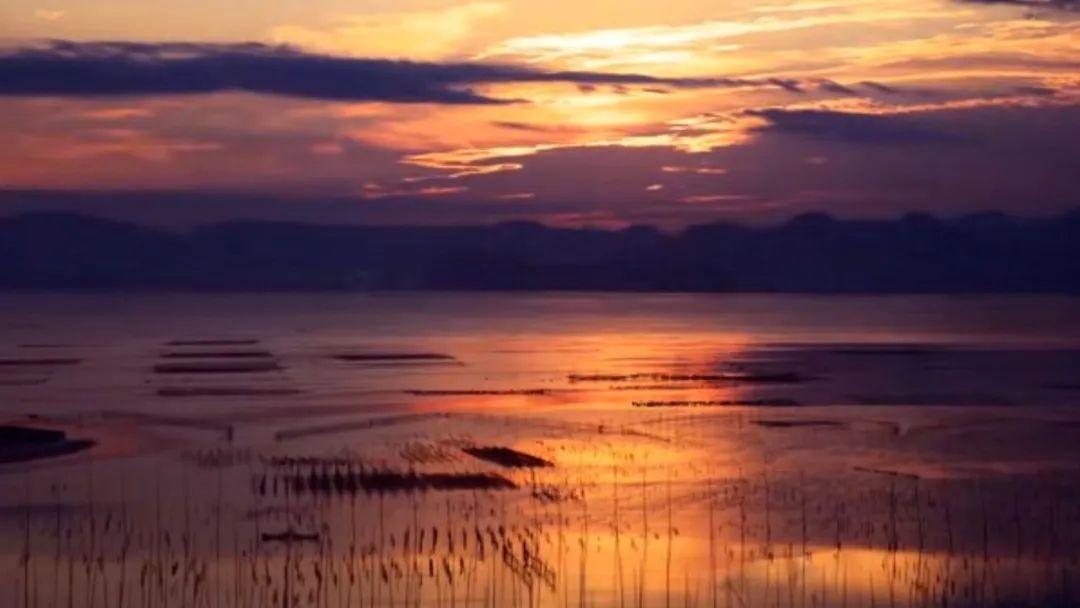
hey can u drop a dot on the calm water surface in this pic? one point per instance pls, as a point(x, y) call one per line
point(676, 450)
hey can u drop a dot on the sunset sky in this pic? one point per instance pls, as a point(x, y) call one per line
point(586, 112)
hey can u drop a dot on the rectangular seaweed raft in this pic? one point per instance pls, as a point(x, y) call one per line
point(507, 457)
point(218, 367)
point(20, 443)
point(351, 481)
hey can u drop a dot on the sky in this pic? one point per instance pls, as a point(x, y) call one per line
point(579, 113)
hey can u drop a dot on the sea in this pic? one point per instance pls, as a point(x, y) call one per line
point(539, 449)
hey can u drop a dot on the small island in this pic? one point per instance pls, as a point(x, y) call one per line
point(22, 443)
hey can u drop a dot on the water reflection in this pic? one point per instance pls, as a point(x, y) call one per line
point(752, 472)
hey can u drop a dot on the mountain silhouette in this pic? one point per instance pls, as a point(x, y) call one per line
point(812, 253)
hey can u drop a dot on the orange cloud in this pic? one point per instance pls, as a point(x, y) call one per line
point(375, 191)
point(698, 199)
point(116, 142)
point(430, 34)
point(45, 14)
point(696, 170)
point(689, 47)
point(117, 113)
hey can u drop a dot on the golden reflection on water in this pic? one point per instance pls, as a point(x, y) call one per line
point(619, 520)
point(675, 504)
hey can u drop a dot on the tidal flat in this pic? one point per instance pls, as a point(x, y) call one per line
point(541, 450)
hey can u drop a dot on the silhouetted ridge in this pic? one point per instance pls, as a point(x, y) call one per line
point(988, 252)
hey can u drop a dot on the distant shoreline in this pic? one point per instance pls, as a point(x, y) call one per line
point(810, 254)
point(167, 291)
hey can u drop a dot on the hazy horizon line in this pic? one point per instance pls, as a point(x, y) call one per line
point(719, 219)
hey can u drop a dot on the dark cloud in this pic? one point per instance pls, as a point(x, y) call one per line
point(87, 69)
point(1065, 5)
point(996, 61)
point(865, 87)
point(525, 126)
point(788, 84)
point(851, 127)
point(1034, 90)
point(879, 88)
point(831, 86)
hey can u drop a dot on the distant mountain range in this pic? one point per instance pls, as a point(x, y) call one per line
point(811, 253)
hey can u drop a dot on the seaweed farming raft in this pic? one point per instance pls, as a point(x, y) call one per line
point(347, 480)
